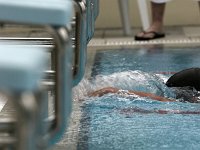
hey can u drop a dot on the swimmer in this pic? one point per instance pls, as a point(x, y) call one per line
point(188, 77)
point(185, 81)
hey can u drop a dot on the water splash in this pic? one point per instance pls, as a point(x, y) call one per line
point(127, 80)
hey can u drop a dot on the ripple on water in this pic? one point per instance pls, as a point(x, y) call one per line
point(120, 123)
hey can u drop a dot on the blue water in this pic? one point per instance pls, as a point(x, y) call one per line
point(113, 125)
point(156, 60)
point(117, 122)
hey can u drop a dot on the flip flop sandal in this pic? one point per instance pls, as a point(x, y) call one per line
point(156, 35)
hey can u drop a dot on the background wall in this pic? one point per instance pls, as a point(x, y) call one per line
point(178, 12)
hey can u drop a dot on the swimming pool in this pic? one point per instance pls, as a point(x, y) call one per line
point(114, 122)
point(158, 60)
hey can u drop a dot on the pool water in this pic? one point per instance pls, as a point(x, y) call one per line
point(162, 60)
point(129, 122)
point(111, 122)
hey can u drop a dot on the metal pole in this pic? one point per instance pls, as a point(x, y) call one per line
point(144, 14)
point(123, 5)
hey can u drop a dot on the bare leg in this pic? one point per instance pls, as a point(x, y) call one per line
point(157, 19)
point(157, 16)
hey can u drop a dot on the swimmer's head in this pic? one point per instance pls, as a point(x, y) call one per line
point(181, 82)
point(172, 82)
point(187, 77)
point(169, 84)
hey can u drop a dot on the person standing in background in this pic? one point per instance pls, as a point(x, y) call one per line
point(156, 29)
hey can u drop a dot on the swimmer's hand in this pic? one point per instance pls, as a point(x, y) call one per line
point(151, 96)
point(103, 91)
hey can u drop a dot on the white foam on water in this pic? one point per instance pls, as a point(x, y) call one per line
point(126, 80)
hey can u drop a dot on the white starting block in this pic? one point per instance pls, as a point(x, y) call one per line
point(21, 72)
point(56, 16)
point(21, 67)
point(45, 12)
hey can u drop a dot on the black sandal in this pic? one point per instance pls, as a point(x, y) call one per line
point(156, 35)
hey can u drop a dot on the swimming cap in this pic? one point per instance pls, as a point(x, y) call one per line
point(187, 77)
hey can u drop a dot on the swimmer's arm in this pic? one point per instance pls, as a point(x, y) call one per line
point(107, 90)
point(103, 91)
point(151, 96)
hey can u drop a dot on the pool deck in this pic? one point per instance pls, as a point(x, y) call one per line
point(175, 35)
